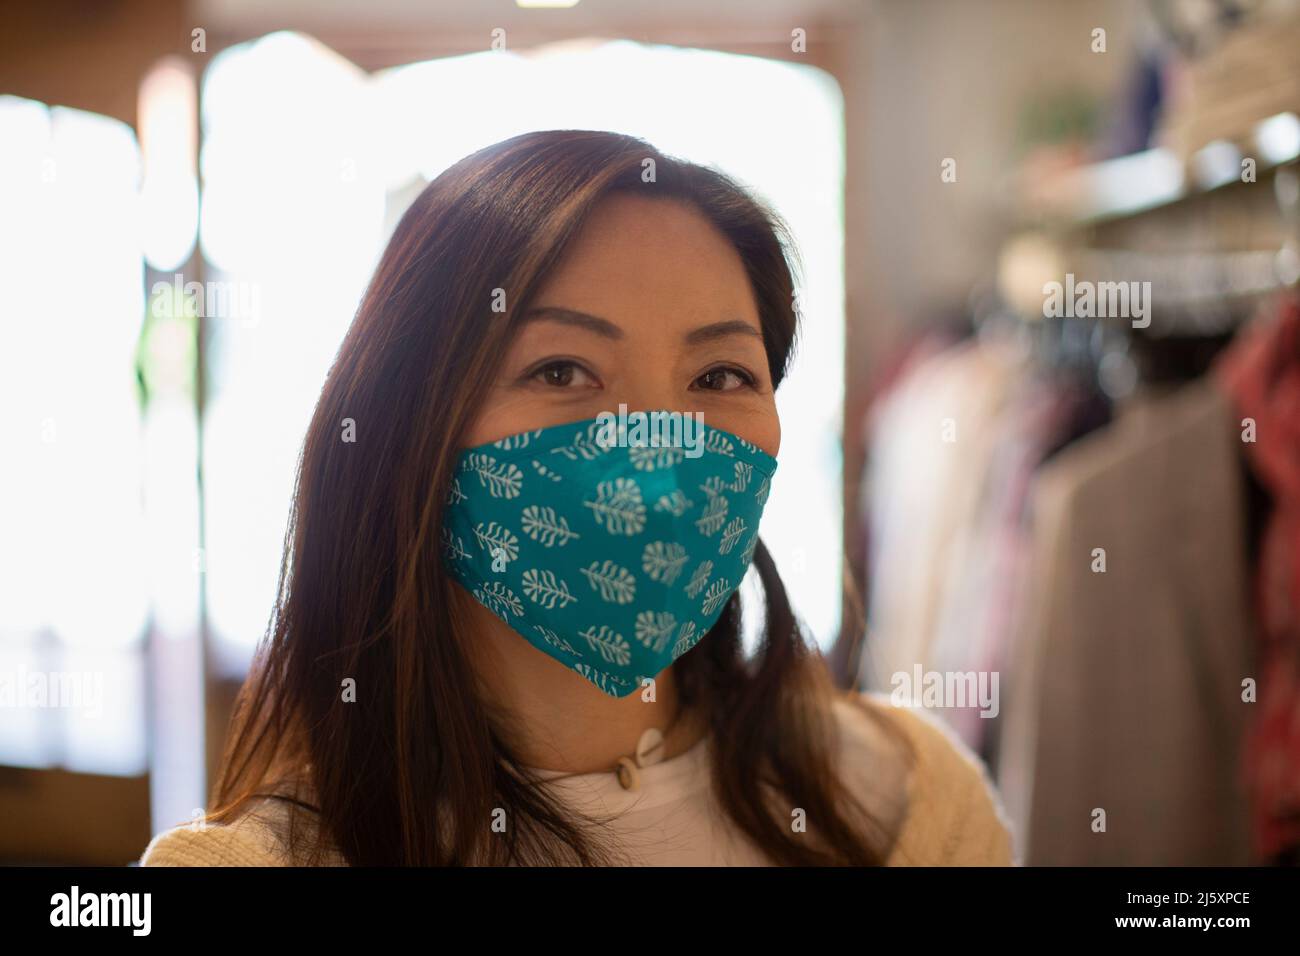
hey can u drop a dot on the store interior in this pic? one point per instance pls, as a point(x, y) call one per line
point(1046, 396)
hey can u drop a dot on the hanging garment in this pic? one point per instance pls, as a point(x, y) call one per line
point(1122, 708)
point(988, 557)
point(946, 511)
point(1261, 373)
point(845, 658)
point(932, 439)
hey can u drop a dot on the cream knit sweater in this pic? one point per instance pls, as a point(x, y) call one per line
point(945, 812)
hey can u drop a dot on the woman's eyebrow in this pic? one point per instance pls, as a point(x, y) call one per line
point(607, 329)
point(718, 330)
point(592, 323)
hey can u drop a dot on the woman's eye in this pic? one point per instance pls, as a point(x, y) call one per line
point(562, 375)
point(723, 379)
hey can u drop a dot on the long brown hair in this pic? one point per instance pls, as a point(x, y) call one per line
point(411, 772)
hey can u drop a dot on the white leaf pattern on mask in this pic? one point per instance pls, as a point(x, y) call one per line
point(646, 458)
point(452, 546)
point(684, 638)
point(585, 445)
point(618, 506)
point(615, 584)
point(554, 639)
point(653, 628)
point(606, 682)
point(611, 646)
point(521, 440)
point(663, 561)
point(501, 480)
point(676, 504)
point(544, 588)
point(730, 536)
point(699, 578)
point(714, 486)
point(719, 444)
point(718, 592)
point(545, 472)
point(494, 536)
point(583, 507)
point(543, 525)
point(500, 600)
point(713, 516)
point(743, 471)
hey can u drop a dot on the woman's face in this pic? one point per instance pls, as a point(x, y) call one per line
point(651, 308)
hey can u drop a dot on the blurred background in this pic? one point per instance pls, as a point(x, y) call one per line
point(1073, 514)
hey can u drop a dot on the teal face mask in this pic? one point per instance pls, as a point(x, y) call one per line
point(614, 560)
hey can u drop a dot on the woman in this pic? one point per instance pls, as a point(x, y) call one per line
point(426, 694)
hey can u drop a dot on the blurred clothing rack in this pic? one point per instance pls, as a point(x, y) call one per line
point(1119, 689)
